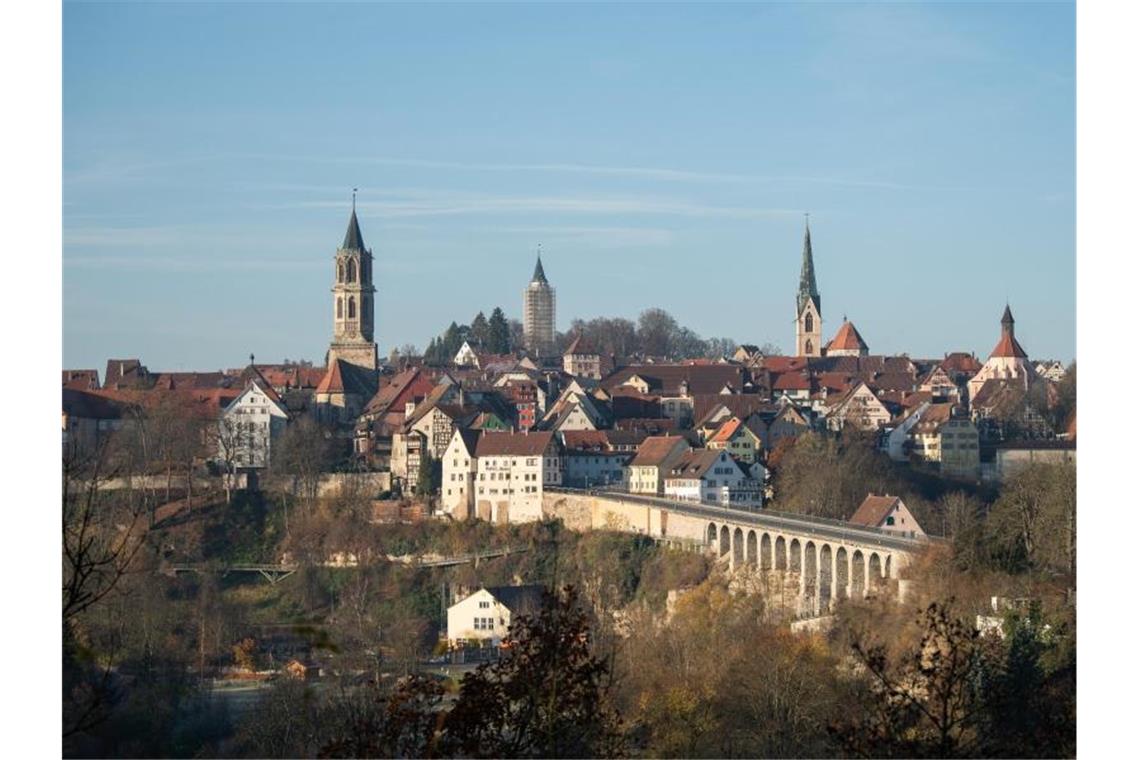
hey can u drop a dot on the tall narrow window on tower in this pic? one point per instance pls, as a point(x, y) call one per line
point(538, 312)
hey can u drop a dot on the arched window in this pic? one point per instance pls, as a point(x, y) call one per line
point(807, 345)
point(340, 271)
point(351, 307)
point(351, 271)
point(808, 323)
point(340, 308)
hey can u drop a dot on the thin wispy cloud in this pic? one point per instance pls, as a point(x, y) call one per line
point(142, 171)
point(188, 264)
point(637, 172)
point(453, 205)
point(601, 237)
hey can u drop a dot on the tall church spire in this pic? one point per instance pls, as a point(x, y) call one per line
point(808, 287)
point(809, 314)
point(353, 240)
point(353, 300)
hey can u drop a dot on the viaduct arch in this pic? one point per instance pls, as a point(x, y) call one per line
point(828, 570)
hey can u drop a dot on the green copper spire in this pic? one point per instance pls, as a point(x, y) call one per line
point(808, 288)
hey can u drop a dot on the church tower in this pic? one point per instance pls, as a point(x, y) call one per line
point(538, 313)
point(809, 316)
point(352, 290)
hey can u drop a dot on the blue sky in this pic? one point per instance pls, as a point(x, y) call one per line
point(662, 155)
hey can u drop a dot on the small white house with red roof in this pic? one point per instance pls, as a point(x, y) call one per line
point(887, 513)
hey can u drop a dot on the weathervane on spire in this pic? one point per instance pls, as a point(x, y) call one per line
point(354, 200)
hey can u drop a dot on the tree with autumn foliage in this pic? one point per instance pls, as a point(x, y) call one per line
point(547, 696)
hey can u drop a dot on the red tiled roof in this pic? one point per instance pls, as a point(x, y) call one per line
point(333, 381)
point(402, 388)
point(252, 374)
point(961, 362)
point(781, 364)
point(654, 450)
point(834, 381)
point(666, 379)
point(847, 339)
point(1008, 347)
point(580, 346)
point(738, 404)
point(726, 431)
point(81, 379)
point(694, 464)
point(589, 440)
point(873, 510)
point(91, 405)
point(512, 444)
point(933, 417)
point(892, 381)
point(792, 381)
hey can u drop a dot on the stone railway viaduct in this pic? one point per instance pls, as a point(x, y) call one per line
point(816, 560)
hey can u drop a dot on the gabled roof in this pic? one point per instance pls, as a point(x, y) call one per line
point(655, 450)
point(666, 379)
point(88, 405)
point(469, 439)
point(412, 380)
point(333, 381)
point(432, 401)
point(998, 392)
point(834, 381)
point(936, 371)
point(847, 339)
point(705, 405)
point(580, 346)
point(932, 419)
point(694, 464)
point(586, 440)
point(726, 431)
point(519, 599)
point(891, 381)
point(124, 373)
point(252, 374)
point(873, 510)
point(512, 444)
point(781, 364)
point(623, 437)
point(961, 362)
point(81, 379)
point(792, 381)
